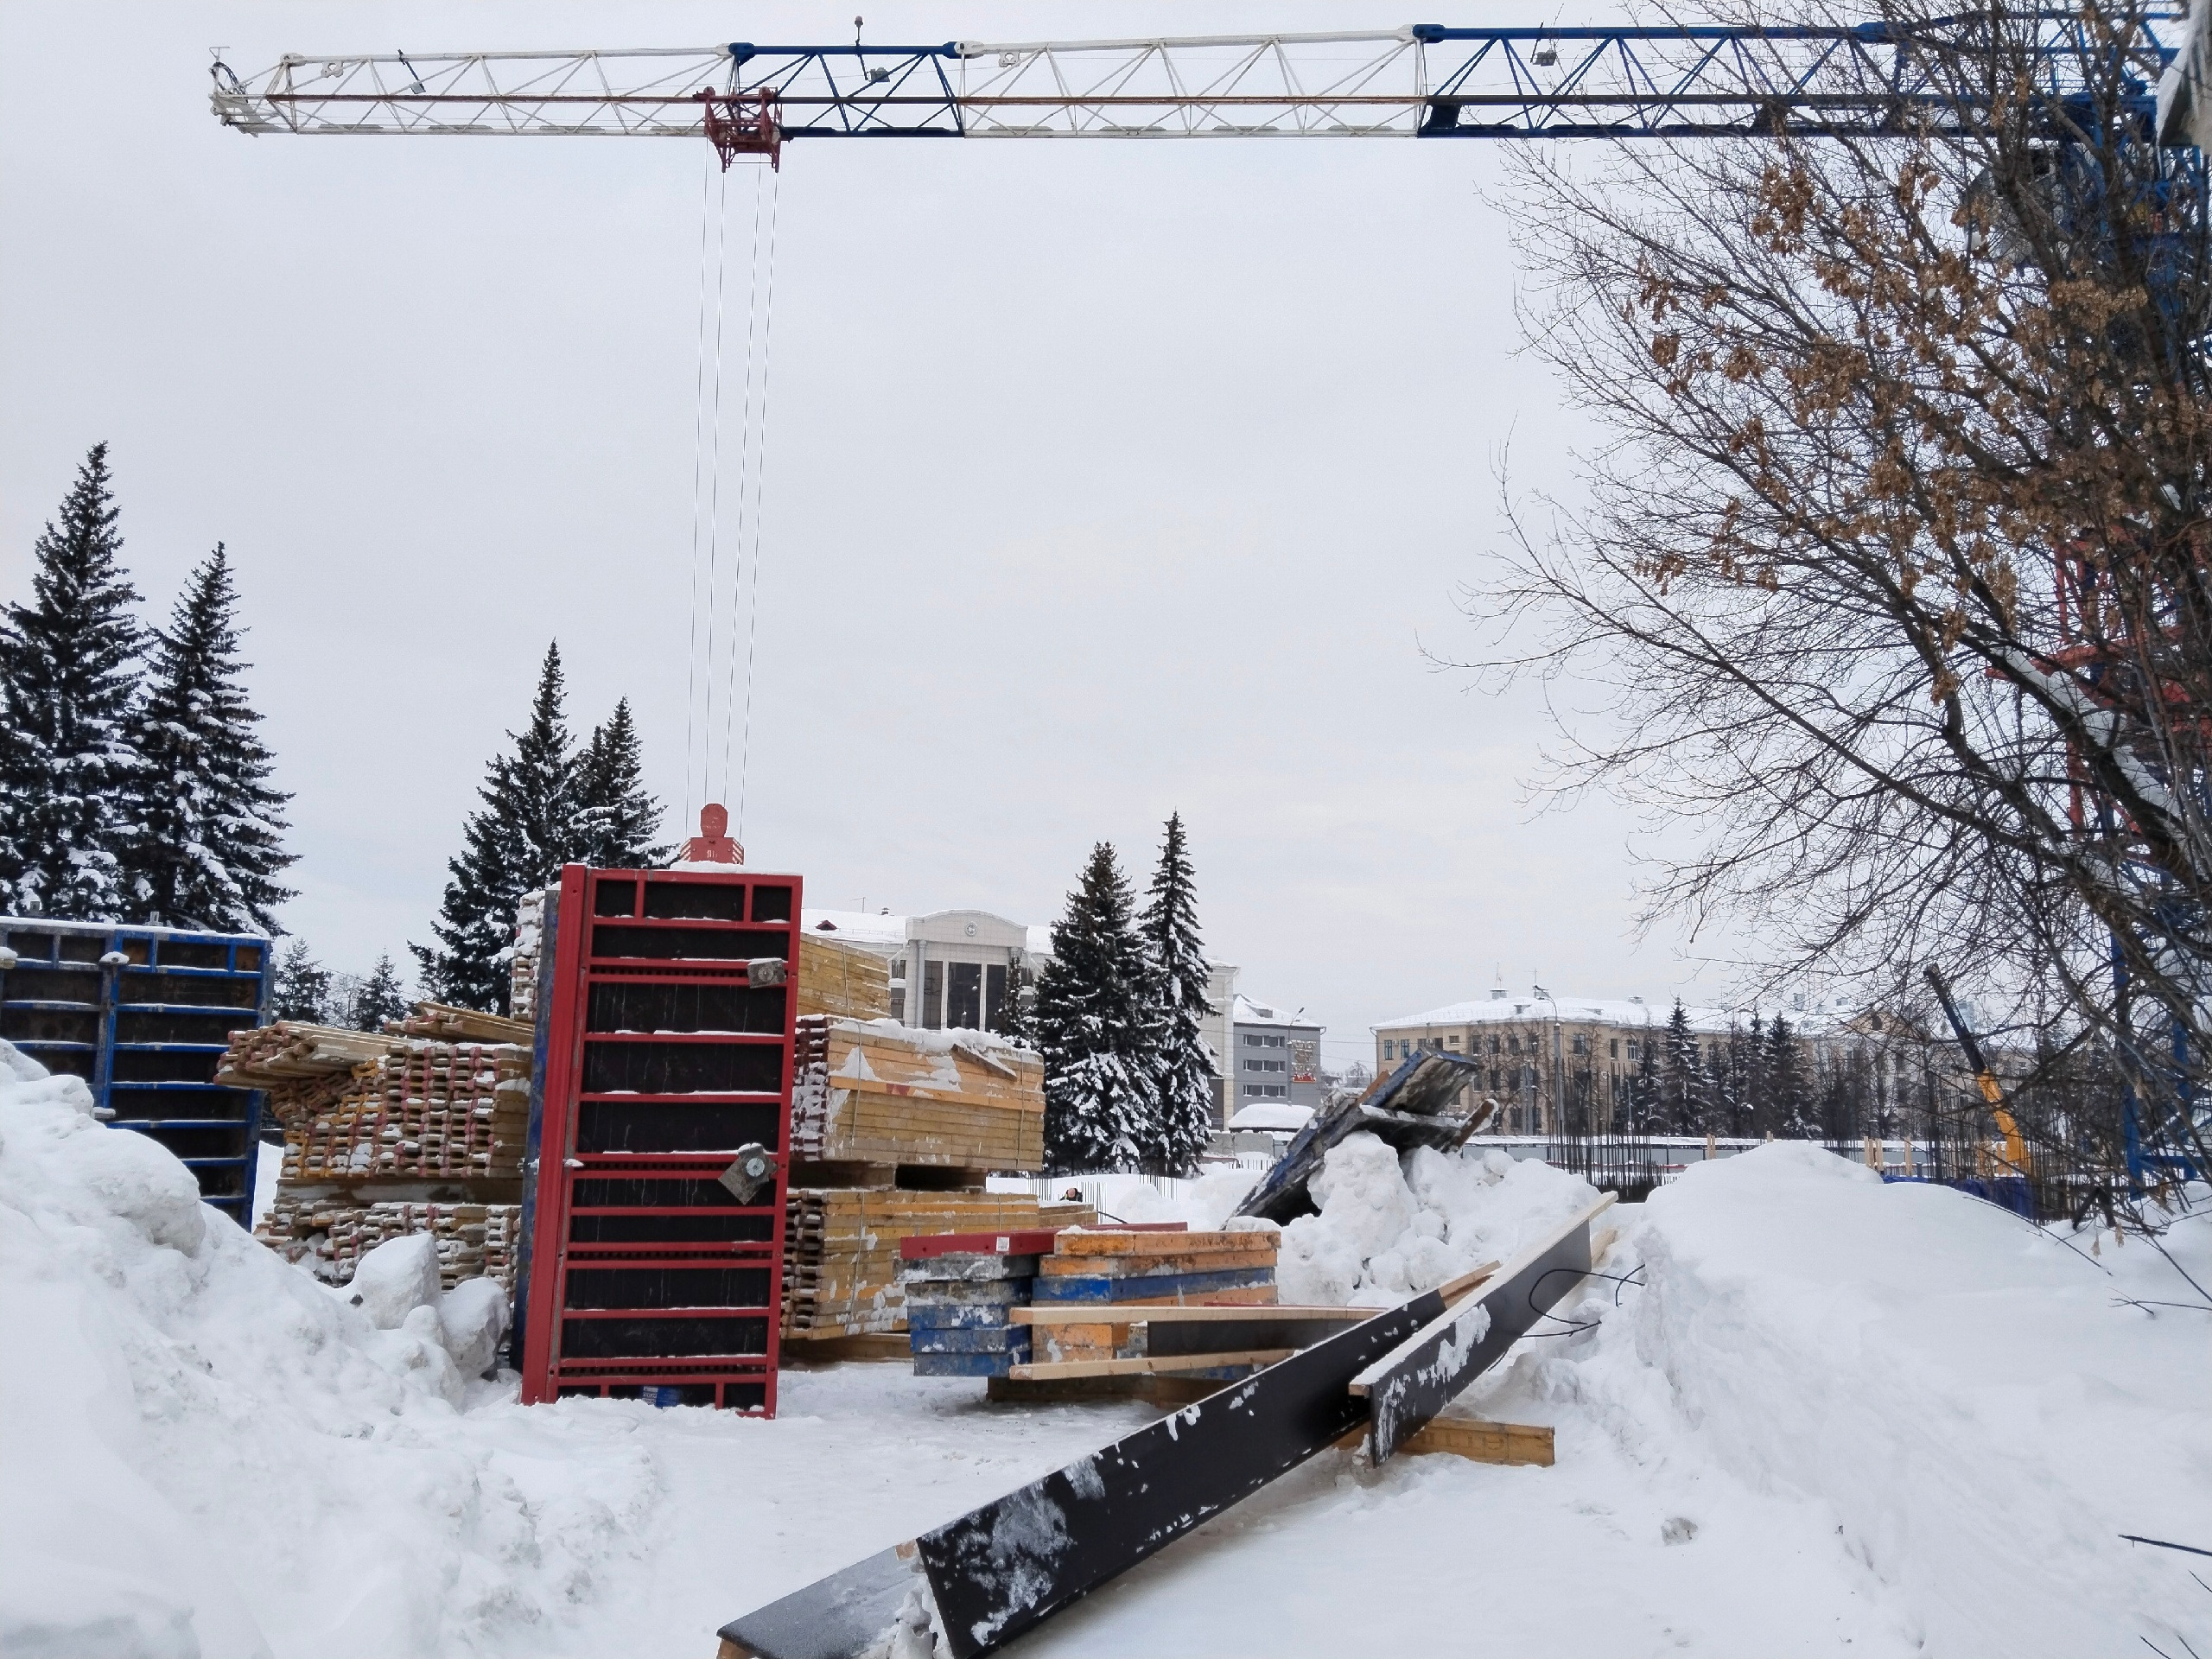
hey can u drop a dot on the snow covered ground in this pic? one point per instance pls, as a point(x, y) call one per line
point(1832, 1415)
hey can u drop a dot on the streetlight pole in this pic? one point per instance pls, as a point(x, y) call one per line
point(1558, 1062)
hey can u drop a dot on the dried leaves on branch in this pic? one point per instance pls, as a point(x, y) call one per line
point(1895, 554)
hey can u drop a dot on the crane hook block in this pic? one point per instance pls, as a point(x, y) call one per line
point(742, 124)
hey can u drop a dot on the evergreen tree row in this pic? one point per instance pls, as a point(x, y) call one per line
point(546, 803)
point(133, 786)
point(1129, 1078)
point(305, 990)
point(1755, 1084)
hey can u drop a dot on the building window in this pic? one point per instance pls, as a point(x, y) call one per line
point(1581, 1044)
point(932, 995)
point(1452, 1042)
point(1613, 1047)
point(1513, 1045)
point(1493, 1044)
point(964, 995)
point(995, 995)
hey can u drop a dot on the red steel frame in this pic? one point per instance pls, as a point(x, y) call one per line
point(651, 1276)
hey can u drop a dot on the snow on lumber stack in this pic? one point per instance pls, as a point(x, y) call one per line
point(438, 1020)
point(878, 1092)
point(429, 1110)
point(330, 1235)
point(288, 1051)
point(841, 1251)
point(846, 981)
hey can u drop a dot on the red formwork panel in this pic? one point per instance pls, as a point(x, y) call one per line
point(660, 1058)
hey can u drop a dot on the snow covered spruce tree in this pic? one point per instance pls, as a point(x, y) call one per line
point(204, 847)
point(615, 818)
point(1683, 1085)
point(1090, 1020)
point(68, 680)
point(381, 997)
point(1182, 1064)
point(513, 843)
point(302, 987)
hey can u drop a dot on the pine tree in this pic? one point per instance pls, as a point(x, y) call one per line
point(204, 849)
point(1645, 1106)
point(1182, 1065)
point(1682, 1090)
point(515, 844)
point(68, 675)
point(381, 997)
point(614, 817)
point(1090, 1018)
point(302, 987)
point(1015, 1017)
point(1789, 1101)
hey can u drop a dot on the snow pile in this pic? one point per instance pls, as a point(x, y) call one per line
point(1965, 1401)
point(1391, 1227)
point(207, 1452)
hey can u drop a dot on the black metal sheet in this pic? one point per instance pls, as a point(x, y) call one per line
point(1414, 1106)
point(837, 1617)
point(1004, 1568)
point(1472, 1337)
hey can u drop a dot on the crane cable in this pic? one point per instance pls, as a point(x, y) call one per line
point(718, 607)
point(711, 258)
point(765, 278)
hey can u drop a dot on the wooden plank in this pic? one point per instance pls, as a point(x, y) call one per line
point(1475, 1439)
point(1147, 1366)
point(1181, 1286)
point(1408, 1386)
point(1081, 1313)
point(1135, 1267)
point(830, 1351)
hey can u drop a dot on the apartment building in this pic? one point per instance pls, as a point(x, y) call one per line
point(1276, 1056)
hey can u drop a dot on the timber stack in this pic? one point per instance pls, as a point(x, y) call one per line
point(418, 1129)
point(894, 1133)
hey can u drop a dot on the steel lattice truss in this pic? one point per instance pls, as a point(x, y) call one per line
point(1424, 80)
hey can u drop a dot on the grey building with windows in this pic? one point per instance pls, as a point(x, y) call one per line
point(1274, 1057)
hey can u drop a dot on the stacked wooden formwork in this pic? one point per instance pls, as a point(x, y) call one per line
point(417, 1128)
point(894, 1133)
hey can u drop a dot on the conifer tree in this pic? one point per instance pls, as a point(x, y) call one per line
point(381, 997)
point(204, 848)
point(1090, 1018)
point(1015, 1017)
point(1683, 1088)
point(513, 844)
point(615, 818)
point(302, 987)
point(1789, 1101)
point(1645, 1106)
point(1182, 1080)
point(68, 669)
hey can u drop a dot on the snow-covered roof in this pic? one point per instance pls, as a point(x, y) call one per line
point(1520, 1006)
point(856, 927)
point(1279, 1114)
point(1250, 1013)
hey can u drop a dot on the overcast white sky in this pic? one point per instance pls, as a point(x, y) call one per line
point(1103, 480)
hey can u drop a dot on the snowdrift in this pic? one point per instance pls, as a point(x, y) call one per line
point(1890, 1415)
point(1965, 1399)
point(207, 1452)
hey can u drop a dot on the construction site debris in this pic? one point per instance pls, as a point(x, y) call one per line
point(1430, 1101)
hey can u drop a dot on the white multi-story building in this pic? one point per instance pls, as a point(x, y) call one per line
point(1275, 1057)
point(956, 968)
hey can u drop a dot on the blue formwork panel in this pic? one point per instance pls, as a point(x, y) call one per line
point(968, 1364)
point(143, 1014)
point(1137, 1288)
point(997, 1339)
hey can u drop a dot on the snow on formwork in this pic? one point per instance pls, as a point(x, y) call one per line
point(1840, 1415)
